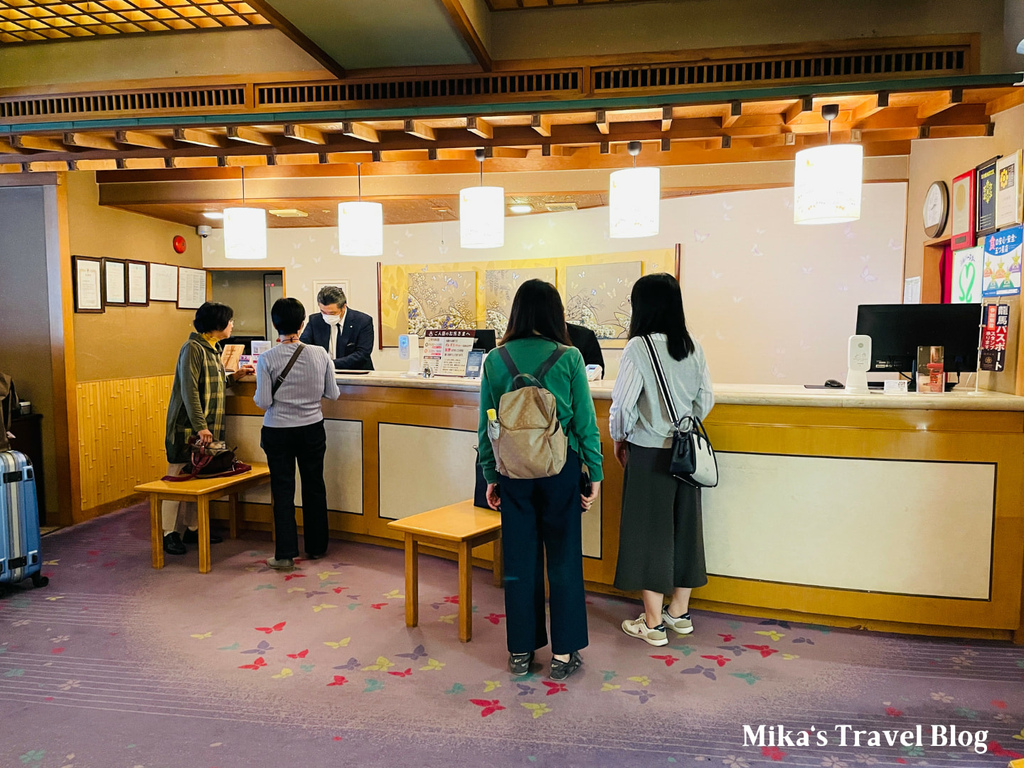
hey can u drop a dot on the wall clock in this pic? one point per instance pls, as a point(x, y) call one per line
point(936, 208)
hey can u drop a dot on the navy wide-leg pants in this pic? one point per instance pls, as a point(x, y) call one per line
point(538, 518)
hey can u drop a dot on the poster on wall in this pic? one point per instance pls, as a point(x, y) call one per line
point(138, 283)
point(1003, 250)
point(114, 281)
point(986, 203)
point(598, 297)
point(88, 283)
point(1009, 200)
point(993, 337)
point(500, 286)
point(967, 269)
point(962, 216)
point(163, 282)
point(441, 301)
point(191, 288)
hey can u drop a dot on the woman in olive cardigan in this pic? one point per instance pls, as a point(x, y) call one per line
point(542, 516)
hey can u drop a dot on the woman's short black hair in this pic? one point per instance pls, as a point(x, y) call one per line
point(212, 316)
point(658, 308)
point(287, 316)
point(537, 309)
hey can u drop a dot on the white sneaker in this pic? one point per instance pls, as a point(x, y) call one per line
point(681, 626)
point(638, 628)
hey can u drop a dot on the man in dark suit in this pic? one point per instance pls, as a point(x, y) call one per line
point(345, 333)
point(585, 340)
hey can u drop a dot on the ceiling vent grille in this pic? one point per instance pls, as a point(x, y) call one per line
point(816, 67)
point(130, 102)
point(527, 85)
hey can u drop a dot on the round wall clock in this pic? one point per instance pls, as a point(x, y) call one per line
point(936, 208)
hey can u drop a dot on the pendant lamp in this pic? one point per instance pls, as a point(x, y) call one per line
point(245, 231)
point(360, 224)
point(828, 180)
point(634, 199)
point(482, 213)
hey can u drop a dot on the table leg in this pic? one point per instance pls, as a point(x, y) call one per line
point(233, 515)
point(498, 564)
point(465, 592)
point(412, 581)
point(204, 533)
point(156, 530)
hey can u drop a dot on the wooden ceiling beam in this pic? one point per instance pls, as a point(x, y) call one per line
point(938, 102)
point(305, 134)
point(199, 138)
point(480, 127)
point(666, 118)
point(141, 139)
point(248, 135)
point(869, 106)
point(798, 108)
point(7, 148)
point(90, 141)
point(733, 112)
point(38, 143)
point(541, 124)
point(267, 11)
point(420, 130)
point(601, 121)
point(464, 26)
point(360, 131)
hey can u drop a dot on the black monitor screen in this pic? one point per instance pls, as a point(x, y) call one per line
point(897, 330)
point(485, 339)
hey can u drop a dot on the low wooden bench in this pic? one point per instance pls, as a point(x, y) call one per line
point(460, 527)
point(202, 492)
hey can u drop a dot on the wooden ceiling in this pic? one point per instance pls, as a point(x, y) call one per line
point(516, 5)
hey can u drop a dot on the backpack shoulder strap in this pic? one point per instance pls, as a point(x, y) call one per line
point(548, 364)
point(507, 359)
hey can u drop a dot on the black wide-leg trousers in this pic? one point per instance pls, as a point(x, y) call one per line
point(285, 447)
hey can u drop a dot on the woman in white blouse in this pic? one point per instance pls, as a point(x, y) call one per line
point(661, 540)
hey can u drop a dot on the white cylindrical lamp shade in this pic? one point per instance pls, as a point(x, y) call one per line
point(360, 229)
point(482, 217)
point(634, 202)
point(245, 233)
point(827, 184)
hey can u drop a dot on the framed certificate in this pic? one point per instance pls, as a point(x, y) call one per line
point(986, 197)
point(962, 211)
point(138, 283)
point(191, 288)
point(163, 282)
point(1008, 191)
point(88, 283)
point(115, 281)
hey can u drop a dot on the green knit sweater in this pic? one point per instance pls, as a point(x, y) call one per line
point(567, 381)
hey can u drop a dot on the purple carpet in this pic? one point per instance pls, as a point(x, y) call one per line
point(115, 664)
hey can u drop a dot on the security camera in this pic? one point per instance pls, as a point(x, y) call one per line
point(204, 230)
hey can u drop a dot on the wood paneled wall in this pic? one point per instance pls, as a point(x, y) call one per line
point(121, 431)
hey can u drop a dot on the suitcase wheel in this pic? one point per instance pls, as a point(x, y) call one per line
point(38, 580)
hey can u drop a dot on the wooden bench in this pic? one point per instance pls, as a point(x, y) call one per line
point(202, 492)
point(460, 527)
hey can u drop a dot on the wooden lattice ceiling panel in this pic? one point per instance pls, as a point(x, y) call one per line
point(34, 20)
point(513, 5)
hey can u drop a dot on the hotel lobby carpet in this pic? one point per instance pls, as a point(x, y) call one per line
point(117, 665)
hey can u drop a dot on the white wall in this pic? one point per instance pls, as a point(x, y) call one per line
point(771, 302)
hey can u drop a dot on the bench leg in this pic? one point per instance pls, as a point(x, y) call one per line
point(498, 564)
point(204, 533)
point(465, 592)
point(156, 530)
point(412, 581)
point(233, 515)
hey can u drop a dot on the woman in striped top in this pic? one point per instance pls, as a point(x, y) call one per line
point(291, 380)
point(661, 540)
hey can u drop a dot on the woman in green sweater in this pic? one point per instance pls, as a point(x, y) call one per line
point(542, 517)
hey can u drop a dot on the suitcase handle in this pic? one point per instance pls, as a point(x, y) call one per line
point(13, 477)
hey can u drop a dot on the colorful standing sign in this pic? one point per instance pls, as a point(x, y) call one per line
point(986, 197)
point(1003, 250)
point(962, 215)
point(967, 268)
point(993, 337)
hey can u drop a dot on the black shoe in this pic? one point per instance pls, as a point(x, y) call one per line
point(562, 669)
point(192, 537)
point(173, 545)
point(519, 663)
point(321, 556)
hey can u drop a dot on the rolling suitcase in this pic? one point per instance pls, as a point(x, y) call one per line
point(19, 521)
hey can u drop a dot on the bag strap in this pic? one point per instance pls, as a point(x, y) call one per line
point(548, 364)
point(506, 358)
point(659, 376)
point(287, 368)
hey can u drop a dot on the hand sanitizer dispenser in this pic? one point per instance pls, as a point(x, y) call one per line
point(858, 363)
point(409, 349)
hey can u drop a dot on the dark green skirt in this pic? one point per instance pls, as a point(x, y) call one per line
point(661, 537)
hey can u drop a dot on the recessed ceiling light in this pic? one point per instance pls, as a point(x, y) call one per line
point(213, 214)
point(288, 213)
point(560, 207)
point(520, 208)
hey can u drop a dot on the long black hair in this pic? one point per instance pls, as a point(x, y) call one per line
point(536, 309)
point(658, 308)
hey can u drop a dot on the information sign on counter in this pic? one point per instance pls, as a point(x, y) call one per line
point(993, 337)
point(445, 352)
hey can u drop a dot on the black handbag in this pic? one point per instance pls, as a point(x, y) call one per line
point(693, 458)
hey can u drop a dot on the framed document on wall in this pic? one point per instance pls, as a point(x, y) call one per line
point(191, 288)
point(114, 282)
point(163, 282)
point(962, 211)
point(986, 197)
point(88, 283)
point(1009, 201)
point(138, 283)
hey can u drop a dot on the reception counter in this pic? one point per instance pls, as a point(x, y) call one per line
point(900, 512)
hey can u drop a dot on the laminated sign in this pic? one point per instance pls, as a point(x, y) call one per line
point(993, 337)
point(1001, 276)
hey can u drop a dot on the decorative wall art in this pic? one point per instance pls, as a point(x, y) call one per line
point(441, 301)
point(986, 197)
point(1009, 201)
point(88, 283)
point(500, 286)
point(962, 215)
point(598, 297)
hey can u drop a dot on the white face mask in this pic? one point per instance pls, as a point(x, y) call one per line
point(330, 319)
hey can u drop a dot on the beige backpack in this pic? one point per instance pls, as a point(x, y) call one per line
point(530, 443)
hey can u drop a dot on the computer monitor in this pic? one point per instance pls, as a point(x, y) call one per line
point(897, 330)
point(485, 339)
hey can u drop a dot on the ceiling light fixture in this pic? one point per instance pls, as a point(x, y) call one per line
point(360, 224)
point(520, 208)
point(828, 180)
point(245, 231)
point(482, 213)
point(213, 214)
point(634, 199)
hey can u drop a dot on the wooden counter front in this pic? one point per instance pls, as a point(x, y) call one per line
point(901, 513)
